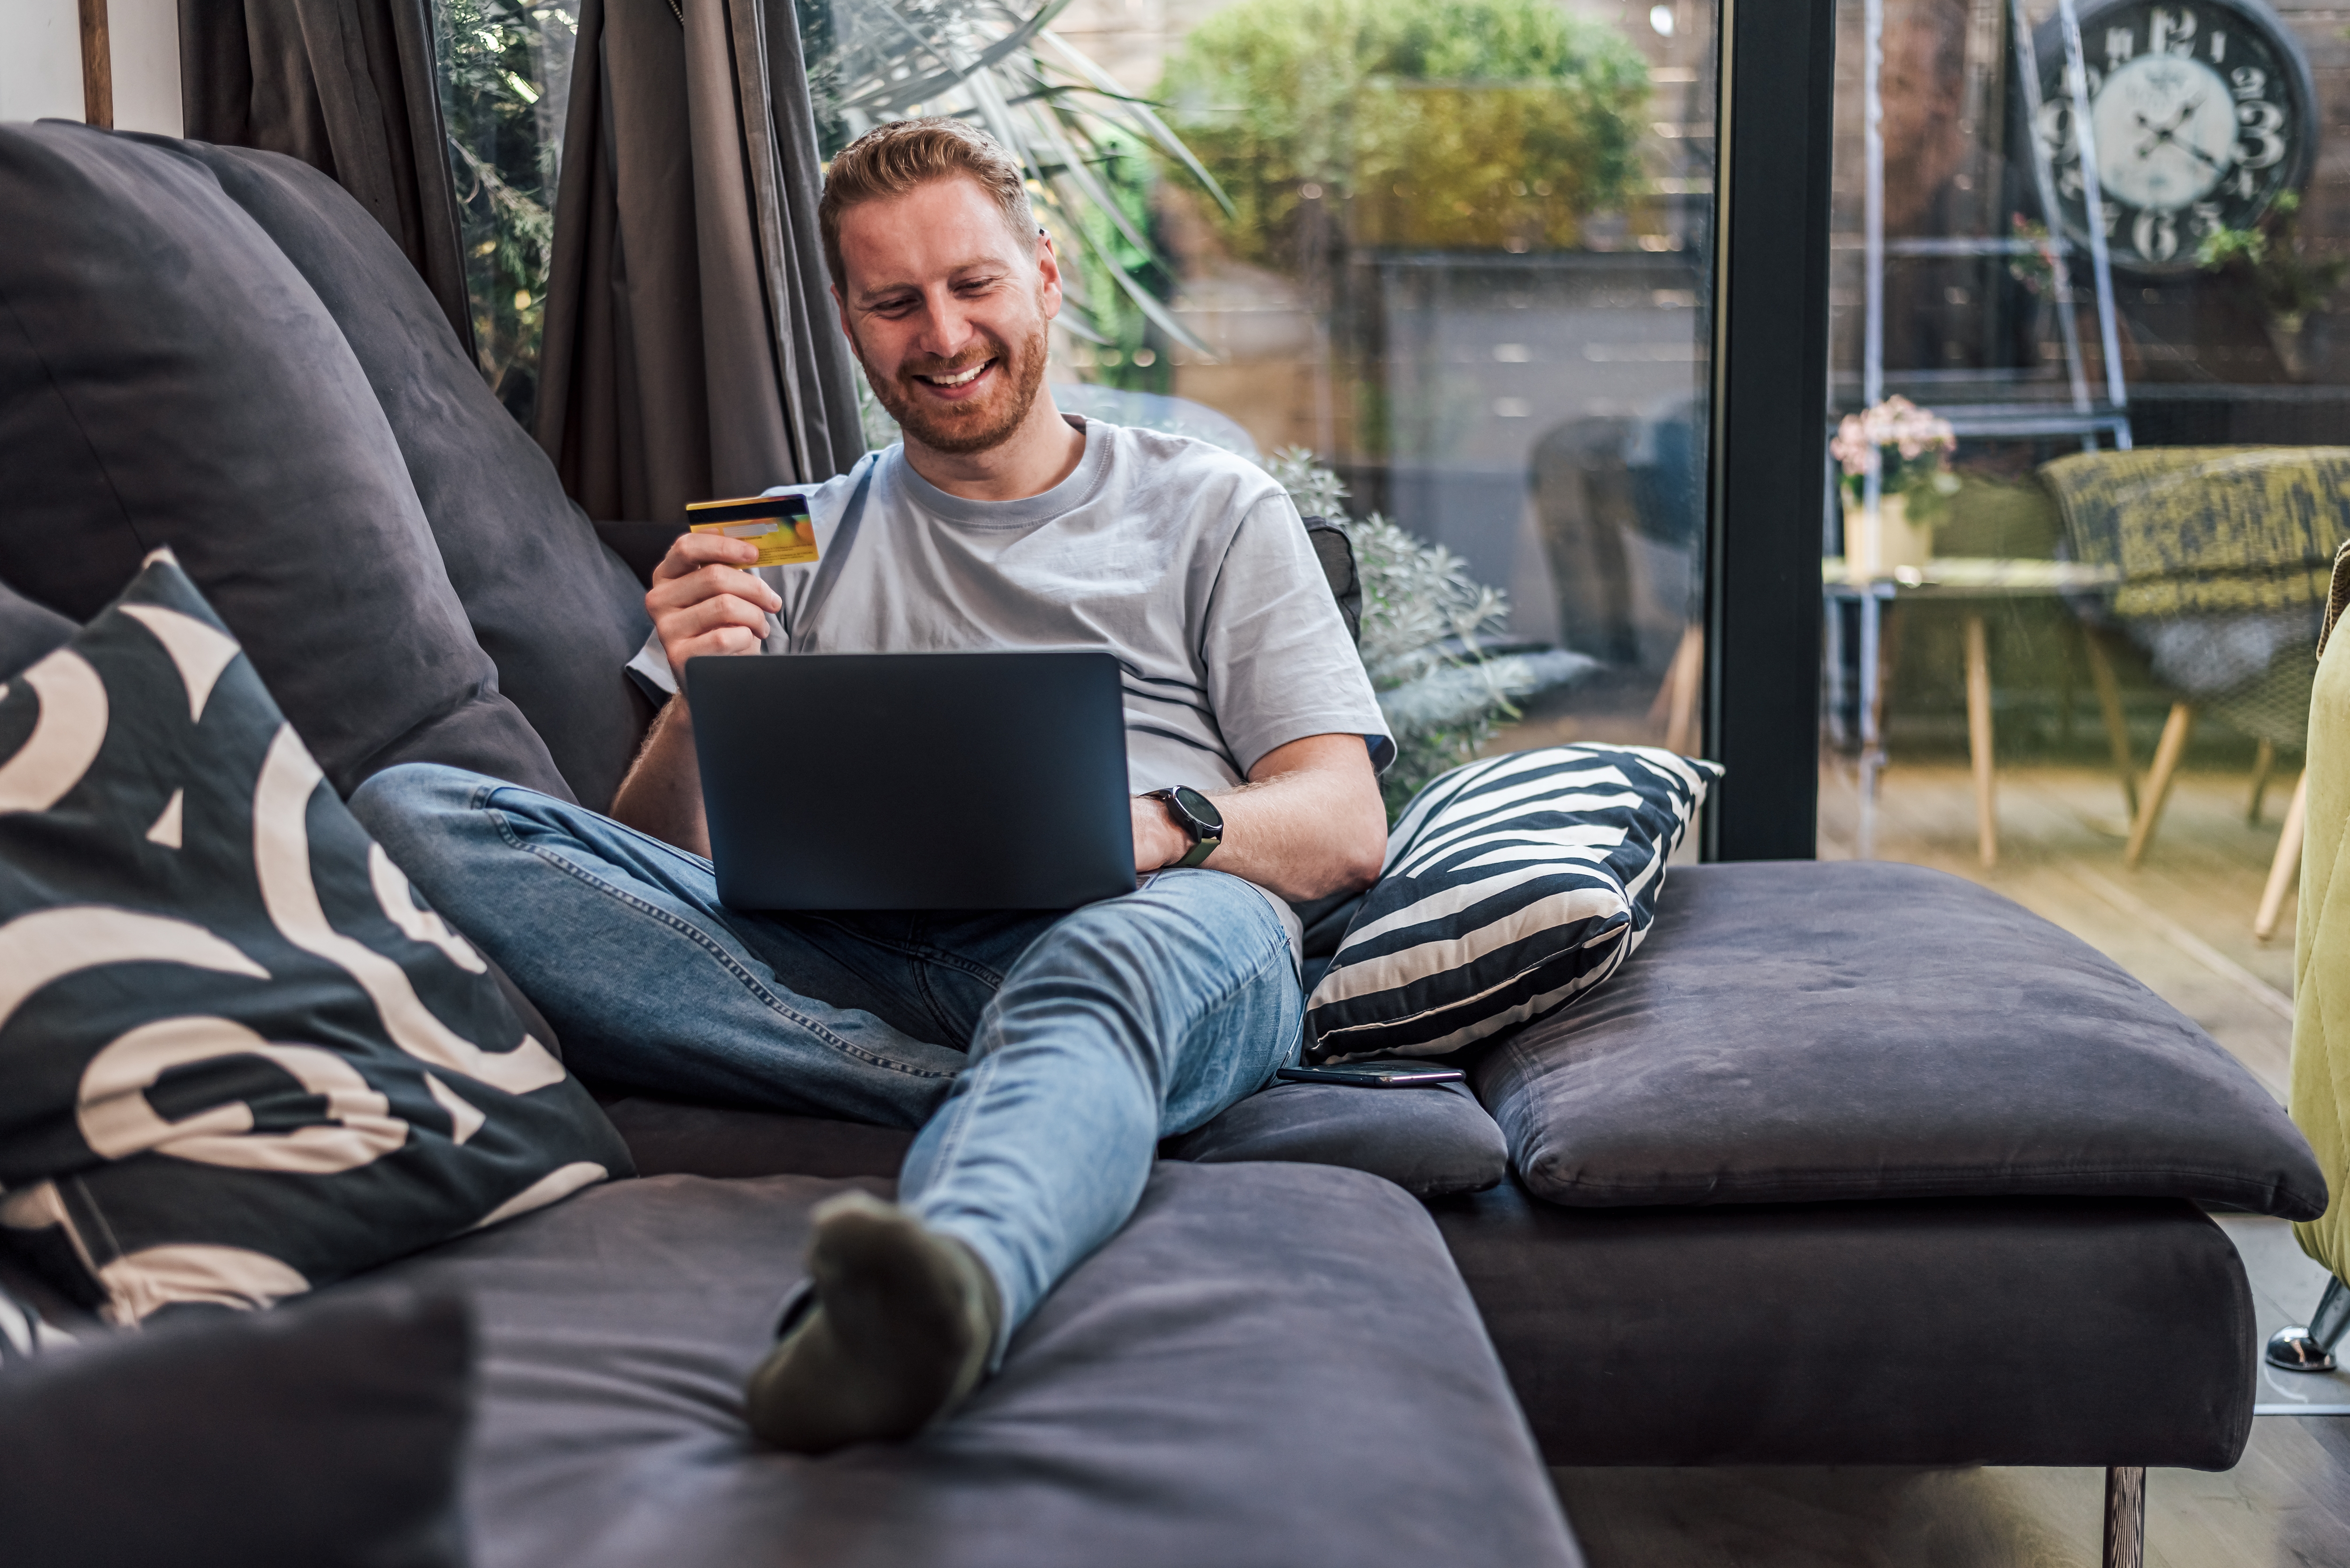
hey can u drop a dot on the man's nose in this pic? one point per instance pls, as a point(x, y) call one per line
point(946, 327)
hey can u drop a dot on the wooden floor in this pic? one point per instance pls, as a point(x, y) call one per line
point(2182, 923)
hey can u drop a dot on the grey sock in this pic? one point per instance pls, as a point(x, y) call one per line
point(899, 1336)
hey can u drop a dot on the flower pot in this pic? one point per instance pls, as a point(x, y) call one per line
point(1878, 543)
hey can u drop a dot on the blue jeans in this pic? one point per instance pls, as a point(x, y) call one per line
point(1042, 1056)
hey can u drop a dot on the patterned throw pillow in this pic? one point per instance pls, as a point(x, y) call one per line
point(238, 1058)
point(1513, 887)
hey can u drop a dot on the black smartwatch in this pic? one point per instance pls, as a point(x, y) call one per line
point(1196, 815)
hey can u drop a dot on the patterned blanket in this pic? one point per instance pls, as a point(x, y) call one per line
point(2215, 528)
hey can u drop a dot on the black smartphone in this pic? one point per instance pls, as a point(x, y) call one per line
point(1374, 1075)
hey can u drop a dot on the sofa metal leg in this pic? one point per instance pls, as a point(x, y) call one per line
point(2310, 1349)
point(2126, 1517)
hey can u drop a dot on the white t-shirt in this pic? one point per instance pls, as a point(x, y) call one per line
point(1186, 563)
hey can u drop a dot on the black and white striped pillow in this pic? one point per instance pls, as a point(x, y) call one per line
point(1513, 887)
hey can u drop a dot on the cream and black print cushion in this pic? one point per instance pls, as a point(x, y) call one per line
point(1513, 887)
point(238, 1059)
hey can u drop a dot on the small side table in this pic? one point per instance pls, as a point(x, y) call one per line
point(1975, 578)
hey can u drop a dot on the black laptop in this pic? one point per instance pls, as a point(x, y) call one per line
point(914, 780)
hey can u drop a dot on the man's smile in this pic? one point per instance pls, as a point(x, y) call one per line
point(949, 382)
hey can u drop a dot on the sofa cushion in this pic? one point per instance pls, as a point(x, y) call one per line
point(1803, 1031)
point(1513, 887)
point(237, 1058)
point(327, 1435)
point(558, 613)
point(1270, 1365)
point(167, 377)
point(1429, 1140)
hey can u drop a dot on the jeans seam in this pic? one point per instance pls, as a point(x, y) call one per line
point(702, 939)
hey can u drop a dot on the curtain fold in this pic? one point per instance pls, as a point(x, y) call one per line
point(690, 347)
point(348, 86)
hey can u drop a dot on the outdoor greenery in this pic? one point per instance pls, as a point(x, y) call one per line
point(1423, 123)
point(505, 70)
point(1428, 637)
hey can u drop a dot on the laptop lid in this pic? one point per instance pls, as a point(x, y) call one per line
point(914, 780)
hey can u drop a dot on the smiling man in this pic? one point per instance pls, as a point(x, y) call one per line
point(1042, 1056)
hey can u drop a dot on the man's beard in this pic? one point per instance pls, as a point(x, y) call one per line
point(977, 425)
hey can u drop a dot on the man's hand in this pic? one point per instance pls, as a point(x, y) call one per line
point(1309, 823)
point(701, 601)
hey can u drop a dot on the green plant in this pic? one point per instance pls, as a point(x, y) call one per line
point(1426, 637)
point(505, 78)
point(1427, 123)
point(2269, 263)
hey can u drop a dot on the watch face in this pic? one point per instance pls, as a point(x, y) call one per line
point(2201, 114)
point(1200, 808)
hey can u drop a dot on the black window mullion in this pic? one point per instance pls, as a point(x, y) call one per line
point(1766, 480)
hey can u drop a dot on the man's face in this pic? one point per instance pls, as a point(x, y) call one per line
point(947, 309)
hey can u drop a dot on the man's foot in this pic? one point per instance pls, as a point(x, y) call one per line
point(900, 1335)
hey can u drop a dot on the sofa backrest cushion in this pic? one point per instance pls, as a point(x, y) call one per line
point(329, 1435)
point(168, 378)
point(1805, 1032)
point(558, 613)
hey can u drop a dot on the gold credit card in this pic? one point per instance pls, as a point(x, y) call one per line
point(778, 525)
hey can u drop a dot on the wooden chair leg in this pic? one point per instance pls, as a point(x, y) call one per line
point(1688, 675)
point(2263, 764)
point(2126, 1517)
point(2173, 746)
point(2109, 700)
point(2286, 866)
point(1978, 741)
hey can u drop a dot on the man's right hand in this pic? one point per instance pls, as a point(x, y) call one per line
point(701, 601)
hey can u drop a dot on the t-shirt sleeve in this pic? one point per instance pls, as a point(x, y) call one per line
point(1279, 663)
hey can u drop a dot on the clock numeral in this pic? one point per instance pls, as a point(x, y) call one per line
point(2171, 31)
point(2156, 235)
point(2219, 48)
point(2113, 213)
point(2054, 126)
point(2265, 122)
point(2241, 186)
point(2068, 182)
point(2120, 45)
point(2250, 83)
point(2206, 218)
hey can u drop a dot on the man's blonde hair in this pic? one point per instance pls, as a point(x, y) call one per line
point(893, 159)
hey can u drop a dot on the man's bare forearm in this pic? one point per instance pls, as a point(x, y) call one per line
point(662, 792)
point(1308, 824)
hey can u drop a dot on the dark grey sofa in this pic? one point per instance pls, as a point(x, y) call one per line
point(1851, 1164)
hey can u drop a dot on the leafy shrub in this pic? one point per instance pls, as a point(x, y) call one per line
point(1425, 639)
point(1426, 124)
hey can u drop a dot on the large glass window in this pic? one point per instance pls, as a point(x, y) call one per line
point(2073, 586)
point(1450, 256)
point(505, 80)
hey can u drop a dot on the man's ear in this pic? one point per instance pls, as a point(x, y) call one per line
point(1048, 275)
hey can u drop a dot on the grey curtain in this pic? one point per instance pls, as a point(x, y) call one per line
point(349, 88)
point(691, 348)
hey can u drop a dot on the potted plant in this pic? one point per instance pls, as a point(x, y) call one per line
point(1907, 450)
point(2267, 262)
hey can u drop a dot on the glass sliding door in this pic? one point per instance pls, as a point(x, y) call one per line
point(2100, 247)
point(1447, 264)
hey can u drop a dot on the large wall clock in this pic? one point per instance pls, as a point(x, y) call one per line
point(2200, 111)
